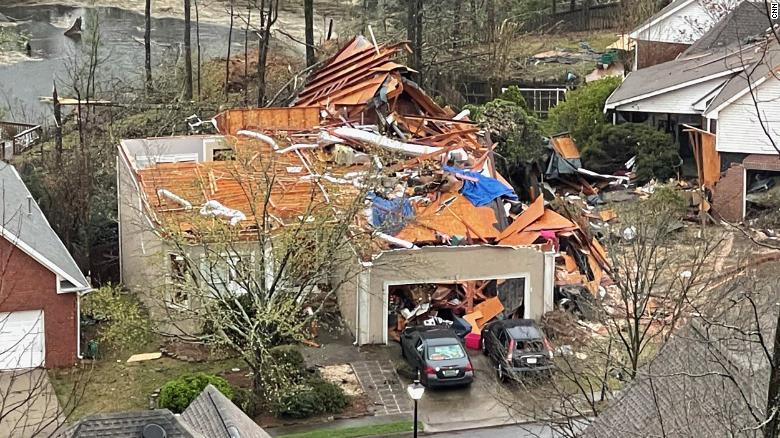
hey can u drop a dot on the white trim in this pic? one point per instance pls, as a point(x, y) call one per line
point(653, 21)
point(744, 191)
point(668, 89)
point(526, 276)
point(78, 326)
point(119, 218)
point(549, 282)
point(16, 241)
point(714, 112)
point(527, 299)
point(678, 111)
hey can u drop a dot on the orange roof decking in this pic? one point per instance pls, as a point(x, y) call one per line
point(296, 182)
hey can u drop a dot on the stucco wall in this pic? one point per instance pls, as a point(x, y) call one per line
point(434, 264)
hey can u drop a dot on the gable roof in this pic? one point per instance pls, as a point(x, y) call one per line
point(668, 10)
point(747, 20)
point(680, 73)
point(130, 425)
point(216, 416)
point(765, 65)
point(210, 415)
point(25, 226)
point(707, 379)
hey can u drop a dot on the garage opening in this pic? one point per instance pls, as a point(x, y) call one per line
point(762, 199)
point(465, 306)
point(21, 339)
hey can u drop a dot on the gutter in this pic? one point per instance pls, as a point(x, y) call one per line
point(78, 321)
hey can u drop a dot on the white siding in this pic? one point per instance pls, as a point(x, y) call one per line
point(684, 26)
point(676, 102)
point(739, 129)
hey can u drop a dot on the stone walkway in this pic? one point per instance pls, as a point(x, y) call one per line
point(380, 382)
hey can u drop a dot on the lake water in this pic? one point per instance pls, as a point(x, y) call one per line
point(121, 33)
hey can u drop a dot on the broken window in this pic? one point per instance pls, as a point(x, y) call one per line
point(226, 154)
point(179, 274)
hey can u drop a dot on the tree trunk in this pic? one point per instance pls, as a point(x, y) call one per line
point(418, 40)
point(772, 427)
point(410, 28)
point(246, 53)
point(148, 44)
point(490, 7)
point(57, 124)
point(456, 21)
point(262, 55)
point(308, 12)
point(414, 29)
point(187, 53)
point(197, 42)
point(227, 60)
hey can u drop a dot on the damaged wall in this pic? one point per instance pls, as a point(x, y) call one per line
point(437, 264)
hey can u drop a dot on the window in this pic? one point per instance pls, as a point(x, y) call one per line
point(231, 273)
point(179, 273)
point(446, 352)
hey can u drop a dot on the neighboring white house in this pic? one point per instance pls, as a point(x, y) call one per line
point(722, 104)
point(674, 28)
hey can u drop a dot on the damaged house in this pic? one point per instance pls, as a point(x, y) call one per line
point(717, 99)
point(446, 236)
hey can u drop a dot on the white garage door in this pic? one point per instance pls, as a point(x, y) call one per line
point(21, 339)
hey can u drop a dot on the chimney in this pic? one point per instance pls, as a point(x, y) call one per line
point(29, 204)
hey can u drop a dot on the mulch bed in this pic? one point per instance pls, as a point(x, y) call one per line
point(359, 407)
point(192, 352)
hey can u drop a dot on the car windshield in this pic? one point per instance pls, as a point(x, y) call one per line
point(525, 332)
point(445, 352)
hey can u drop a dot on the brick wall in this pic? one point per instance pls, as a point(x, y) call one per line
point(653, 52)
point(27, 285)
point(762, 162)
point(727, 196)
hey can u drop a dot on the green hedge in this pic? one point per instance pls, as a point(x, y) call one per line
point(312, 398)
point(178, 393)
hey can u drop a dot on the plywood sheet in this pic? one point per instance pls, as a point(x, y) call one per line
point(710, 160)
point(565, 147)
point(284, 119)
point(529, 216)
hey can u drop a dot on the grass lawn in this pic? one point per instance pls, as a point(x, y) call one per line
point(351, 432)
point(117, 386)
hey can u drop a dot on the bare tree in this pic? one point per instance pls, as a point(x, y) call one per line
point(269, 13)
point(261, 282)
point(308, 12)
point(229, 44)
point(148, 45)
point(187, 52)
point(197, 43)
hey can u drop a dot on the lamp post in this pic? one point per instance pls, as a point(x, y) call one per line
point(415, 391)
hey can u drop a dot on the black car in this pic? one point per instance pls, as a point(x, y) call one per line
point(438, 354)
point(517, 347)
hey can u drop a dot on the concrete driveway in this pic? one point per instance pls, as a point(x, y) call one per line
point(485, 403)
point(28, 404)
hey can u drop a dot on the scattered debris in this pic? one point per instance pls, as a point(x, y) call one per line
point(144, 357)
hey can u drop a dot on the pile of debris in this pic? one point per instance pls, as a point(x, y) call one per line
point(362, 130)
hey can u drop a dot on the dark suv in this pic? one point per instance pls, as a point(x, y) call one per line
point(517, 347)
point(438, 354)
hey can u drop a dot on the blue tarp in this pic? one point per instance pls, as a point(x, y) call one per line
point(484, 190)
point(390, 215)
